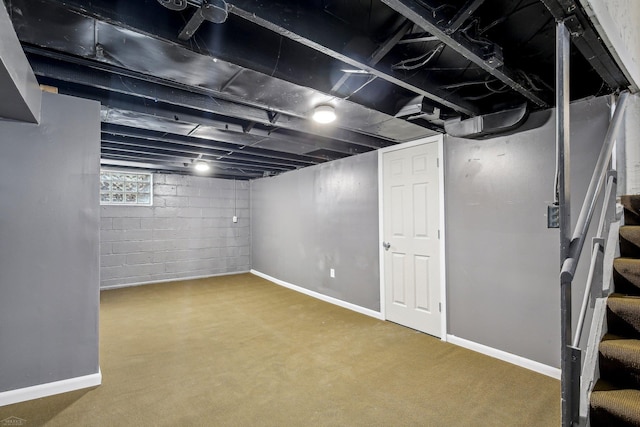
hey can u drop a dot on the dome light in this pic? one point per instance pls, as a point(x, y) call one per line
point(324, 114)
point(202, 166)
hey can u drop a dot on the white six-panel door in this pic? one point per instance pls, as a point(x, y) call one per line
point(411, 209)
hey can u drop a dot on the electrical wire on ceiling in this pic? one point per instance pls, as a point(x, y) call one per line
point(503, 89)
point(369, 80)
point(435, 10)
point(485, 82)
point(464, 84)
point(528, 79)
point(506, 16)
point(477, 39)
point(419, 61)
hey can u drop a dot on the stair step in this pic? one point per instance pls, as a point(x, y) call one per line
point(614, 407)
point(630, 241)
point(631, 209)
point(620, 361)
point(623, 315)
point(626, 275)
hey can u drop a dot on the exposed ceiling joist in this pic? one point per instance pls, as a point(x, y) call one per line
point(199, 143)
point(101, 76)
point(110, 157)
point(241, 92)
point(152, 146)
point(125, 162)
point(331, 38)
point(180, 156)
point(462, 16)
point(149, 113)
point(283, 85)
point(380, 52)
point(489, 62)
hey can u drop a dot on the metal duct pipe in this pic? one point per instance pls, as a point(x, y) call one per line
point(215, 11)
point(174, 4)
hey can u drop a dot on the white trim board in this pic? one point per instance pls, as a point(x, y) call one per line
point(532, 365)
point(439, 139)
point(317, 295)
point(176, 279)
point(49, 389)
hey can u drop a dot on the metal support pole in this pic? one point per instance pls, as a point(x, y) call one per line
point(564, 200)
point(563, 137)
point(614, 153)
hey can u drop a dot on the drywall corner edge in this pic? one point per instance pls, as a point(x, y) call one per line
point(49, 389)
point(529, 364)
point(325, 298)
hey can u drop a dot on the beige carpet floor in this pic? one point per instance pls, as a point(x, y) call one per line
point(241, 351)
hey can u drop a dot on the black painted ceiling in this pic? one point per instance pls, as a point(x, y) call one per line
point(175, 87)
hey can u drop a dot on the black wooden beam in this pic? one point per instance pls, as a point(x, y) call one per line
point(422, 17)
point(211, 152)
point(190, 142)
point(155, 164)
point(329, 37)
point(183, 157)
point(462, 16)
point(78, 71)
point(125, 162)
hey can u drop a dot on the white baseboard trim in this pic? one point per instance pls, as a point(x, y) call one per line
point(176, 279)
point(49, 389)
point(532, 365)
point(326, 298)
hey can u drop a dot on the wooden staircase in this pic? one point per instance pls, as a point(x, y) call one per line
point(615, 400)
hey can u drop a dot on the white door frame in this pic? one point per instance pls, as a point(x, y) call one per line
point(443, 288)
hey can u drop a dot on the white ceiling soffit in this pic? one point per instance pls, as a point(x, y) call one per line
point(617, 23)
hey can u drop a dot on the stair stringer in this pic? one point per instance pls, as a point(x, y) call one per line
point(590, 368)
point(612, 252)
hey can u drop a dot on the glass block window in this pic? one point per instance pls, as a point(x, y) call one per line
point(126, 188)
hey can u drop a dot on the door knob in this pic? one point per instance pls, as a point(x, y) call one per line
point(386, 245)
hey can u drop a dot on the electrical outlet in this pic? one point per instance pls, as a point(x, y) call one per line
point(332, 273)
point(235, 218)
point(553, 216)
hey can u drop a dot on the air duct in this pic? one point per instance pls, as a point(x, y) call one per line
point(174, 4)
point(215, 11)
point(488, 124)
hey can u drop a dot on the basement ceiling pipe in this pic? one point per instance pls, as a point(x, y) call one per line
point(174, 4)
point(216, 11)
point(488, 124)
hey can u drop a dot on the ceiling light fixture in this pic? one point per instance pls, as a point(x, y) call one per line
point(355, 71)
point(202, 166)
point(324, 114)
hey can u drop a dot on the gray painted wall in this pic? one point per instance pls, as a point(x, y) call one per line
point(630, 160)
point(188, 232)
point(308, 221)
point(49, 244)
point(502, 261)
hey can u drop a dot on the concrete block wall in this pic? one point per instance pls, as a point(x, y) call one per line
point(188, 232)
